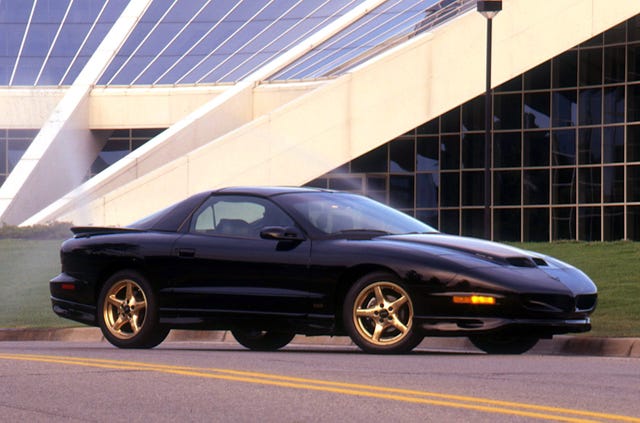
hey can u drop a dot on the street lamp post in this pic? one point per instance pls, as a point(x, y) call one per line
point(489, 9)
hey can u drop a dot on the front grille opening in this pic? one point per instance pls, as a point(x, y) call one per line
point(549, 302)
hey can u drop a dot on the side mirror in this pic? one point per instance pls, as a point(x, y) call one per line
point(282, 233)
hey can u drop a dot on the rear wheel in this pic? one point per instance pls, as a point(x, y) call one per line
point(262, 340)
point(503, 344)
point(378, 315)
point(128, 312)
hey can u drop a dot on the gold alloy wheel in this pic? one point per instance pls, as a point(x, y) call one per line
point(383, 313)
point(124, 309)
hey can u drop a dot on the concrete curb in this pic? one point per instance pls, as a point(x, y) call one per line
point(559, 345)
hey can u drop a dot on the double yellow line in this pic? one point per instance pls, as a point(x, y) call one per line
point(370, 391)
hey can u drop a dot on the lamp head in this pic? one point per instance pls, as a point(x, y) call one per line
point(489, 8)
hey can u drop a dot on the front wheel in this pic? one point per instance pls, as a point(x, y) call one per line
point(378, 315)
point(128, 312)
point(503, 344)
point(262, 340)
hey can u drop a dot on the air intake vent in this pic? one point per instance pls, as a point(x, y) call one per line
point(540, 262)
point(586, 302)
point(521, 262)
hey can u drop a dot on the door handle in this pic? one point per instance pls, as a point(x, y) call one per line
point(186, 252)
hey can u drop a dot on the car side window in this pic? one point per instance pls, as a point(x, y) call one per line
point(235, 215)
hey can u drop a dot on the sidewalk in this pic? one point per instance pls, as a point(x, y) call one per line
point(559, 345)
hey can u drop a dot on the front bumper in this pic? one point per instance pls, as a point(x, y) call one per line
point(462, 326)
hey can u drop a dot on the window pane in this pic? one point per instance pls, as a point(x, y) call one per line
point(402, 156)
point(427, 190)
point(633, 103)
point(450, 121)
point(427, 153)
point(617, 34)
point(563, 189)
point(472, 151)
point(506, 188)
point(590, 106)
point(514, 84)
point(589, 224)
point(506, 224)
point(538, 78)
point(472, 188)
point(614, 105)
point(473, 223)
point(591, 66)
point(565, 70)
point(507, 109)
point(613, 144)
point(473, 114)
point(633, 55)
point(537, 110)
point(564, 148)
point(565, 108)
point(346, 183)
point(613, 223)
point(401, 189)
point(450, 152)
point(564, 223)
point(589, 187)
point(633, 184)
point(430, 217)
point(450, 222)
point(535, 225)
point(373, 161)
point(506, 149)
point(590, 151)
point(633, 223)
point(614, 58)
point(430, 128)
point(535, 186)
point(633, 143)
point(536, 148)
point(450, 190)
point(613, 184)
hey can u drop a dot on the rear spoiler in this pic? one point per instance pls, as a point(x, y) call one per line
point(86, 231)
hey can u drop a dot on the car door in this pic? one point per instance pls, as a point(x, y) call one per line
point(224, 265)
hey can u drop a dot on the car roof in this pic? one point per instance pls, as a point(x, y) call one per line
point(268, 191)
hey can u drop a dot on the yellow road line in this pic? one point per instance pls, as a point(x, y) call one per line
point(371, 391)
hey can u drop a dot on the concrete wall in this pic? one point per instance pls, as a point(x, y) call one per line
point(346, 117)
point(27, 107)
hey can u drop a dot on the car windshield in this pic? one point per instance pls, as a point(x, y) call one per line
point(335, 213)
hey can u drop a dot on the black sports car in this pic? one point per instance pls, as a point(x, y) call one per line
point(269, 263)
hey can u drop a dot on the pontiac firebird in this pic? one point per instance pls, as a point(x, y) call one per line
point(268, 263)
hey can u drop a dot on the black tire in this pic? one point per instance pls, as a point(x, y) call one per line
point(128, 312)
point(378, 315)
point(262, 340)
point(503, 344)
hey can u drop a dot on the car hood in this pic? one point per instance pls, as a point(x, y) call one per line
point(478, 249)
point(512, 266)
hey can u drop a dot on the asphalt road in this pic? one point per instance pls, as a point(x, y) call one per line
point(221, 382)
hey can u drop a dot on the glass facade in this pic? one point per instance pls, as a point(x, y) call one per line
point(13, 144)
point(565, 153)
point(120, 143)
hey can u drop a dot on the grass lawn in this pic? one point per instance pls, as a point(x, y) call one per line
point(27, 266)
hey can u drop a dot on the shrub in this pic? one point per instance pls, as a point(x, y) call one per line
point(55, 230)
